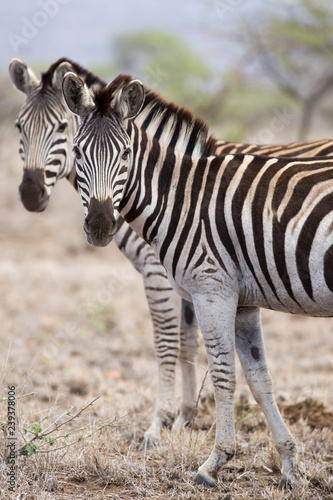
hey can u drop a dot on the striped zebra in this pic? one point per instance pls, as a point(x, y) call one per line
point(235, 233)
point(46, 136)
point(46, 130)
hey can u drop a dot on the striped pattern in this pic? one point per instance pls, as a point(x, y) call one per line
point(268, 219)
point(44, 133)
point(322, 147)
point(46, 143)
point(233, 231)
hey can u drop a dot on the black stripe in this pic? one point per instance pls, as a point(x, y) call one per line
point(237, 206)
point(136, 210)
point(257, 214)
point(214, 168)
point(192, 142)
point(140, 247)
point(301, 190)
point(163, 188)
point(221, 223)
point(134, 133)
point(176, 210)
point(305, 240)
point(194, 246)
point(60, 141)
point(49, 174)
point(150, 117)
point(163, 121)
point(175, 135)
point(125, 238)
point(328, 268)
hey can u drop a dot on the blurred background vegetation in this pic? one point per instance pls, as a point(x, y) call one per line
point(275, 83)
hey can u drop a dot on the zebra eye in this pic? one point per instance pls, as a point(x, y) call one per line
point(62, 127)
point(77, 152)
point(18, 126)
point(126, 153)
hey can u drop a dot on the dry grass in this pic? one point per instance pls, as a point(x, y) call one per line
point(109, 465)
point(74, 325)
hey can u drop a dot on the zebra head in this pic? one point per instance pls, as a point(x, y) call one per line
point(46, 132)
point(102, 148)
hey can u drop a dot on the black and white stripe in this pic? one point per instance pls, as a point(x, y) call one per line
point(43, 136)
point(46, 140)
point(235, 233)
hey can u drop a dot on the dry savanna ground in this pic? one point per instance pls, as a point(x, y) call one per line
point(75, 326)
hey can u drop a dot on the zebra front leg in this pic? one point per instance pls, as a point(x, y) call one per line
point(251, 352)
point(187, 356)
point(216, 318)
point(164, 306)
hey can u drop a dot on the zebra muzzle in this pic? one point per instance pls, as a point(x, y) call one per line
point(100, 224)
point(32, 190)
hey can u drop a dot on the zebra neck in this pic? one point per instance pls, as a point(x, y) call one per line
point(70, 162)
point(71, 177)
point(176, 127)
point(163, 174)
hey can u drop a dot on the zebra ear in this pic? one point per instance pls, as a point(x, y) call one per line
point(128, 100)
point(76, 94)
point(21, 76)
point(59, 73)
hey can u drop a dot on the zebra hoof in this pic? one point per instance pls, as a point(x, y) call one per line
point(204, 480)
point(285, 484)
point(149, 443)
point(179, 424)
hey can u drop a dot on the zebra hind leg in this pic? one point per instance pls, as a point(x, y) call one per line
point(251, 352)
point(164, 305)
point(187, 357)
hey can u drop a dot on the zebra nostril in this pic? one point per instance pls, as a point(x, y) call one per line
point(86, 227)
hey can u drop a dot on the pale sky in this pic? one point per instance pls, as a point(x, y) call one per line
point(83, 30)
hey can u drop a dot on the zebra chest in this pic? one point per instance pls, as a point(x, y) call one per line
point(179, 288)
point(198, 272)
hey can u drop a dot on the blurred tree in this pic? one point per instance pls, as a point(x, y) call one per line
point(166, 64)
point(297, 55)
point(289, 55)
point(276, 76)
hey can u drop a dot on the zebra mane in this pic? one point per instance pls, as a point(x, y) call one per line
point(177, 117)
point(103, 96)
point(89, 77)
point(155, 107)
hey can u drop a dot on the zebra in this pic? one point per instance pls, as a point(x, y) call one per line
point(47, 157)
point(57, 163)
point(235, 232)
point(46, 130)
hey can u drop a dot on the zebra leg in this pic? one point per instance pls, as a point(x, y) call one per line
point(216, 318)
point(251, 352)
point(164, 305)
point(187, 356)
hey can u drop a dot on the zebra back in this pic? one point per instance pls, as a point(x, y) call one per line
point(321, 147)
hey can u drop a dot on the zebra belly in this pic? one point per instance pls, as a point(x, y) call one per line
point(286, 269)
point(249, 290)
point(289, 295)
point(319, 309)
